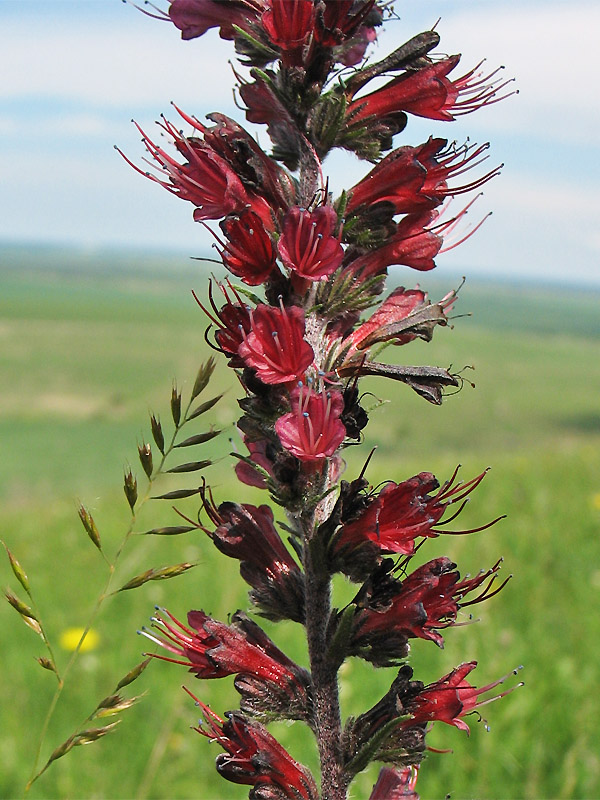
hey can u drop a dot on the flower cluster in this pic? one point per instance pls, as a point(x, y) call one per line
point(299, 347)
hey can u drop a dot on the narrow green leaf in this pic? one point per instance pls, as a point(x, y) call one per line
point(130, 488)
point(133, 674)
point(338, 648)
point(178, 494)
point(93, 734)
point(18, 570)
point(158, 574)
point(145, 454)
point(203, 377)
point(199, 438)
point(204, 407)
point(157, 433)
point(174, 530)
point(47, 663)
point(191, 466)
point(90, 526)
point(175, 405)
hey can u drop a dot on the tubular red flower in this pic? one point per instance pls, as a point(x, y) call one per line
point(429, 93)
point(426, 601)
point(312, 431)
point(416, 241)
point(246, 473)
point(396, 784)
point(308, 245)
point(253, 757)
point(195, 17)
point(235, 319)
point(275, 346)
point(249, 252)
point(451, 698)
point(400, 304)
point(288, 23)
point(415, 179)
point(204, 179)
point(413, 244)
point(403, 512)
point(212, 649)
point(248, 533)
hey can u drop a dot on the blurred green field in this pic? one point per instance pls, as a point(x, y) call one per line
point(86, 351)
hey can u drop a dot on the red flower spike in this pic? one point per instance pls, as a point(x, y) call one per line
point(407, 511)
point(427, 600)
point(312, 431)
point(275, 346)
point(195, 17)
point(288, 23)
point(429, 93)
point(249, 252)
point(451, 698)
point(307, 245)
point(396, 784)
point(254, 758)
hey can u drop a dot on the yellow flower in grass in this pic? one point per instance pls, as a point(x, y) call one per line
point(596, 501)
point(69, 639)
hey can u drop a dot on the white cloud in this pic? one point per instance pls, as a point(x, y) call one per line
point(142, 63)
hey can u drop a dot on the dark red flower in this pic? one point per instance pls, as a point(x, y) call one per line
point(413, 244)
point(418, 238)
point(312, 431)
point(248, 534)
point(396, 784)
point(308, 245)
point(253, 757)
point(428, 92)
point(212, 649)
point(288, 23)
point(246, 473)
point(450, 699)
point(414, 179)
point(426, 601)
point(235, 320)
point(249, 252)
point(270, 187)
point(275, 346)
point(264, 106)
point(403, 512)
point(204, 179)
point(195, 17)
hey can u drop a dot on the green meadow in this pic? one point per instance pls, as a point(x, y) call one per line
point(89, 346)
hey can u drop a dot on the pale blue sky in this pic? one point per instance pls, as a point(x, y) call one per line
point(74, 72)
